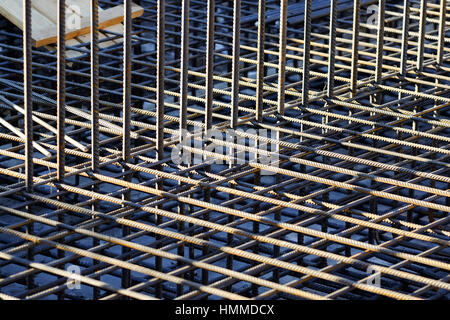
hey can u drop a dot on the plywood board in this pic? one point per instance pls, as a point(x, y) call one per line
point(44, 18)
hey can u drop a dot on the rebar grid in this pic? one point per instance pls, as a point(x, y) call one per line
point(359, 118)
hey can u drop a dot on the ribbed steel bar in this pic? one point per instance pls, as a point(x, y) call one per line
point(442, 27)
point(28, 88)
point(127, 69)
point(210, 49)
point(421, 40)
point(94, 86)
point(28, 116)
point(380, 40)
point(332, 48)
point(95, 104)
point(61, 110)
point(306, 52)
point(405, 32)
point(260, 58)
point(355, 47)
point(235, 63)
point(160, 71)
point(282, 57)
point(61, 107)
point(184, 65)
point(126, 114)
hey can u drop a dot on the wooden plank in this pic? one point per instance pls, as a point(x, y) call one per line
point(44, 20)
point(109, 17)
point(84, 7)
point(12, 10)
point(48, 9)
point(85, 12)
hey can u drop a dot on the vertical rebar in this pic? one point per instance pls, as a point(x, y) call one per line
point(126, 114)
point(28, 92)
point(209, 64)
point(28, 121)
point(160, 68)
point(306, 52)
point(184, 95)
point(61, 104)
point(95, 144)
point(441, 41)
point(332, 48)
point(380, 41)
point(235, 62)
point(160, 80)
point(234, 100)
point(94, 87)
point(355, 47)
point(421, 40)
point(404, 54)
point(405, 38)
point(61, 89)
point(260, 59)
point(282, 56)
point(184, 65)
point(209, 94)
point(127, 66)
point(377, 97)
